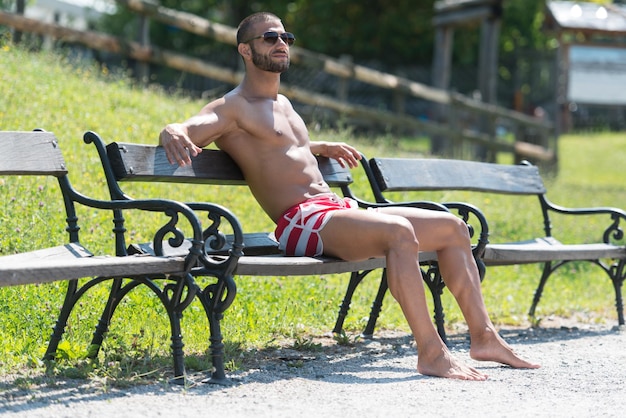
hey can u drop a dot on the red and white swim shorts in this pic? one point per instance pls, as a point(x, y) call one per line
point(297, 231)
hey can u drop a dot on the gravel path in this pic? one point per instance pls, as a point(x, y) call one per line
point(583, 374)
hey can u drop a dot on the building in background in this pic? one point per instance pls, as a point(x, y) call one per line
point(75, 14)
point(591, 90)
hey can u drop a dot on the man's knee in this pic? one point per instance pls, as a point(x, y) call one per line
point(400, 232)
point(458, 228)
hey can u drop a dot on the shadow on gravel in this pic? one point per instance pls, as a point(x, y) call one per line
point(43, 393)
point(541, 334)
point(388, 358)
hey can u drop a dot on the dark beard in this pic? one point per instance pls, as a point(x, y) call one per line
point(265, 63)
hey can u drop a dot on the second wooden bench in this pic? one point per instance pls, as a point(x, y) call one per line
point(605, 249)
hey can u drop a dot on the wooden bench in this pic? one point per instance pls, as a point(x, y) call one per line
point(171, 278)
point(148, 163)
point(607, 249)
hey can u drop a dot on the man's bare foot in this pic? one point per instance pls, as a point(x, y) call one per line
point(491, 347)
point(443, 364)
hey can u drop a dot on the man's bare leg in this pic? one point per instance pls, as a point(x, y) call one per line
point(486, 343)
point(393, 237)
point(434, 358)
point(449, 237)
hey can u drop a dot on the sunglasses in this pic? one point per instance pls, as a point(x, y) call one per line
point(272, 37)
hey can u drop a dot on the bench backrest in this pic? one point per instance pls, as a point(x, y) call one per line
point(148, 163)
point(139, 162)
point(37, 153)
point(30, 153)
point(399, 174)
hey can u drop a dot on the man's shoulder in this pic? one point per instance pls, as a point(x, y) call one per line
point(227, 103)
point(284, 99)
point(232, 97)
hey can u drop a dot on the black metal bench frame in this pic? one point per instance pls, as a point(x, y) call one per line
point(171, 278)
point(148, 163)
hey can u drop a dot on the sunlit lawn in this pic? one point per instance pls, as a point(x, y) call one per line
point(40, 91)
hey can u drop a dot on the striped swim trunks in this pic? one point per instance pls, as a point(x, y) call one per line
point(297, 231)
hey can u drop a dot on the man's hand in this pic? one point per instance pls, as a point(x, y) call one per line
point(178, 146)
point(345, 154)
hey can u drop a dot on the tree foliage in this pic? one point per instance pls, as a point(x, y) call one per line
point(395, 33)
point(398, 33)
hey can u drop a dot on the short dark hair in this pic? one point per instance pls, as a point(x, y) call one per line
point(245, 27)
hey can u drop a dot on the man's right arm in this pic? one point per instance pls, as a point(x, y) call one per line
point(179, 148)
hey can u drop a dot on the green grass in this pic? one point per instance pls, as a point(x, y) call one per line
point(46, 91)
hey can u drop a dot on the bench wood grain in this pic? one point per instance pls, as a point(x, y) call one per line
point(73, 261)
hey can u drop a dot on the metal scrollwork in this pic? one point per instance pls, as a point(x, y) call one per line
point(172, 292)
point(614, 231)
point(176, 240)
point(212, 235)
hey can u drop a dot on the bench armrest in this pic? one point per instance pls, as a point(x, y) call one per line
point(613, 231)
point(174, 211)
point(220, 219)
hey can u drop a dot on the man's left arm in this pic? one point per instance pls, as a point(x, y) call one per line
point(345, 154)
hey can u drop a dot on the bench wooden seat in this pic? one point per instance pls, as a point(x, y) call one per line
point(73, 261)
point(541, 250)
point(263, 258)
point(606, 249)
point(171, 278)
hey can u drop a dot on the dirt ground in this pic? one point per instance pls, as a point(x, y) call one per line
point(583, 374)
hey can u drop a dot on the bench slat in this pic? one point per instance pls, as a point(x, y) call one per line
point(265, 259)
point(403, 174)
point(20, 155)
point(140, 162)
point(280, 265)
point(134, 162)
point(548, 249)
point(67, 251)
point(73, 261)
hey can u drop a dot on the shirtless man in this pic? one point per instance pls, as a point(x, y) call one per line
point(260, 130)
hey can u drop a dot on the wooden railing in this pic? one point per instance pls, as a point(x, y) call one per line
point(542, 149)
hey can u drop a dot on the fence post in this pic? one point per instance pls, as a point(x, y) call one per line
point(399, 99)
point(143, 35)
point(441, 68)
point(20, 7)
point(343, 86)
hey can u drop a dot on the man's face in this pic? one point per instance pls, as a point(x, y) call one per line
point(265, 62)
point(267, 56)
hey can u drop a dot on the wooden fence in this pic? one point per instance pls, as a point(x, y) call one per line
point(458, 137)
